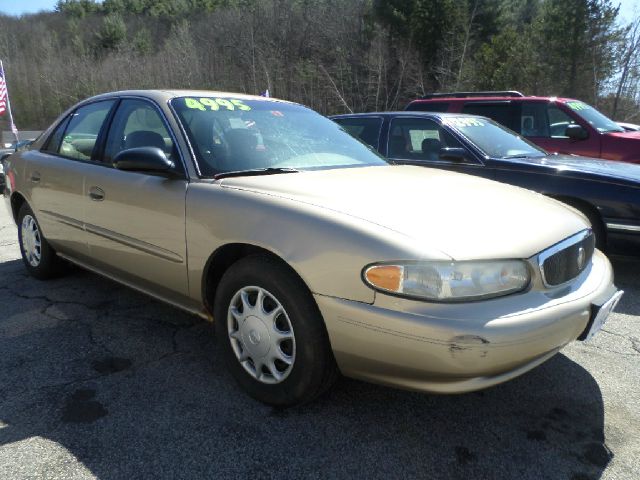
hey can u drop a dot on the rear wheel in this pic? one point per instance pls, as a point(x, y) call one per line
point(271, 333)
point(39, 258)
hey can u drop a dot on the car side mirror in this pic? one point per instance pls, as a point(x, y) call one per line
point(143, 159)
point(576, 132)
point(453, 154)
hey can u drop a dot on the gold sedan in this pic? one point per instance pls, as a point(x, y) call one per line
point(313, 254)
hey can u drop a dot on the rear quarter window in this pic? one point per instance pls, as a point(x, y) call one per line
point(53, 143)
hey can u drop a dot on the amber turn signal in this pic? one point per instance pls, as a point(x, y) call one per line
point(385, 277)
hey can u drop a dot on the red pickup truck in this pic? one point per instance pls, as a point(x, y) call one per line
point(560, 125)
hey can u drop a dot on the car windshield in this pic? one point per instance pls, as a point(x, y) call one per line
point(236, 134)
point(594, 117)
point(493, 139)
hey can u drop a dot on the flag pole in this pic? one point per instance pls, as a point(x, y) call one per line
point(11, 124)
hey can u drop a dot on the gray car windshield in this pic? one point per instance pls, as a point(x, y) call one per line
point(594, 117)
point(493, 139)
point(235, 134)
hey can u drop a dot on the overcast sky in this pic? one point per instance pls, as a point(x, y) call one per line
point(629, 8)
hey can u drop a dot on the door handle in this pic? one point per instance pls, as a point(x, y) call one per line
point(96, 194)
point(35, 177)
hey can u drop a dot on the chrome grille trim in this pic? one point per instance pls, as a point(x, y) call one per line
point(559, 247)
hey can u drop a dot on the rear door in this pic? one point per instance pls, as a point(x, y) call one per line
point(54, 177)
point(136, 221)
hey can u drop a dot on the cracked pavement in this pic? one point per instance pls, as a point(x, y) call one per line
point(98, 381)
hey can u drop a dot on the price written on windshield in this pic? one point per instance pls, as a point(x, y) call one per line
point(214, 104)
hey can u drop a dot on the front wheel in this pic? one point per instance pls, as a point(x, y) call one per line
point(271, 333)
point(37, 255)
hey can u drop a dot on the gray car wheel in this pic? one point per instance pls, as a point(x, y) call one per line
point(261, 335)
point(37, 255)
point(271, 333)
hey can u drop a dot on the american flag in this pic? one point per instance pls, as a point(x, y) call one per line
point(3, 93)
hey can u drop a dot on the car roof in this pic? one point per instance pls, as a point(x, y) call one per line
point(456, 99)
point(166, 95)
point(407, 113)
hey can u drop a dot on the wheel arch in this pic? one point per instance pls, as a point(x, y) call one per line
point(17, 200)
point(592, 213)
point(224, 257)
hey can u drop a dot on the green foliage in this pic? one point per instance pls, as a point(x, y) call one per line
point(575, 41)
point(169, 9)
point(421, 21)
point(506, 62)
point(142, 42)
point(78, 8)
point(75, 35)
point(112, 34)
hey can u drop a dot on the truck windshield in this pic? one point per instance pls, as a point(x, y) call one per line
point(597, 120)
point(236, 134)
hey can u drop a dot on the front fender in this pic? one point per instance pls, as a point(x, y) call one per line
point(327, 249)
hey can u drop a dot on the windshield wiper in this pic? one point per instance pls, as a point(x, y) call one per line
point(255, 172)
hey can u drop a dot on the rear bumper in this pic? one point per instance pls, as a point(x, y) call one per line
point(447, 348)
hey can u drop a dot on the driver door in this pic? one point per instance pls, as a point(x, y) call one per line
point(136, 221)
point(545, 124)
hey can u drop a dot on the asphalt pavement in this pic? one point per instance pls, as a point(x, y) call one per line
point(98, 381)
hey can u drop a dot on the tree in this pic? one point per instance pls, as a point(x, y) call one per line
point(112, 34)
point(575, 40)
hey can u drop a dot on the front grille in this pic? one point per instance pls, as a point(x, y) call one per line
point(568, 259)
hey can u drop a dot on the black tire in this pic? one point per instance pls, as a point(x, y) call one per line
point(49, 264)
point(313, 369)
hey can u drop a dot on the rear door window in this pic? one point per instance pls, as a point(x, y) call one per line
point(366, 129)
point(533, 120)
point(502, 112)
point(80, 137)
point(53, 143)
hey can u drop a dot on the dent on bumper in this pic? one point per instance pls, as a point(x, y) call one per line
point(455, 348)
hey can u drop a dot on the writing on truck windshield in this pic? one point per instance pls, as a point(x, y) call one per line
point(596, 119)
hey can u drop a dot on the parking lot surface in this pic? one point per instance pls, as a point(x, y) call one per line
point(98, 381)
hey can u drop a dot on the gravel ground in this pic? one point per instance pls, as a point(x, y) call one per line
point(97, 381)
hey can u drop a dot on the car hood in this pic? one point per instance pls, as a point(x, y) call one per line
point(605, 168)
point(464, 216)
point(626, 134)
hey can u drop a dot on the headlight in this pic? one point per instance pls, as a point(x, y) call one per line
point(449, 281)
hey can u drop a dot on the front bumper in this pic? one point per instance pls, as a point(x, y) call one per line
point(456, 348)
